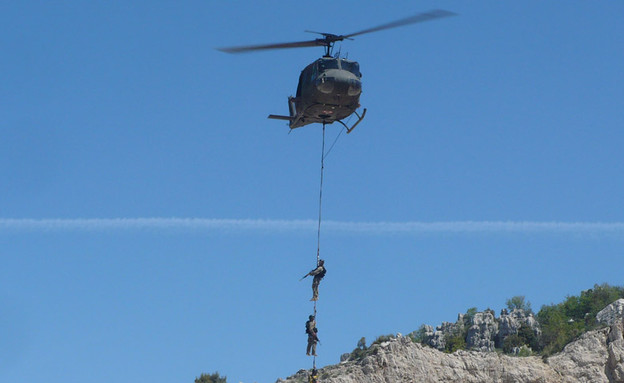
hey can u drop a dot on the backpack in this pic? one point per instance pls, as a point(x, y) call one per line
point(321, 275)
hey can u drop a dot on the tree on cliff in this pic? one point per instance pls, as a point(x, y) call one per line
point(561, 323)
point(518, 302)
point(211, 378)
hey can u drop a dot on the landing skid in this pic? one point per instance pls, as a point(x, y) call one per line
point(360, 118)
point(297, 120)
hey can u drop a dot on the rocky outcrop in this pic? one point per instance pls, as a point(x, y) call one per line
point(615, 347)
point(510, 323)
point(597, 356)
point(444, 331)
point(481, 332)
point(584, 360)
point(611, 313)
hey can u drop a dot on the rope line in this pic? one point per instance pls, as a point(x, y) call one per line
point(318, 237)
point(318, 244)
point(334, 143)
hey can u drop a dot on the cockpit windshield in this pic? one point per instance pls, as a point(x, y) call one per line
point(327, 63)
point(331, 63)
point(351, 66)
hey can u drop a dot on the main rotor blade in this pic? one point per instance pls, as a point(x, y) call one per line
point(426, 16)
point(249, 48)
point(331, 38)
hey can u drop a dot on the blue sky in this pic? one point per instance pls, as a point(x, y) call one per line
point(154, 224)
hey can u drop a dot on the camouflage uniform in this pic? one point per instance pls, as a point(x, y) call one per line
point(312, 338)
point(318, 274)
point(313, 377)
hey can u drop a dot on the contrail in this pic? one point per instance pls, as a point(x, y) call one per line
point(309, 226)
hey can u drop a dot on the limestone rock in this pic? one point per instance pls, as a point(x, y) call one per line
point(616, 352)
point(510, 323)
point(611, 313)
point(401, 360)
point(597, 356)
point(445, 330)
point(482, 331)
point(583, 360)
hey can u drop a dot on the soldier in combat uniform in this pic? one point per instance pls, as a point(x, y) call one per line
point(312, 338)
point(318, 274)
point(313, 378)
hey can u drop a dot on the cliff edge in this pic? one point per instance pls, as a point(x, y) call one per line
point(596, 356)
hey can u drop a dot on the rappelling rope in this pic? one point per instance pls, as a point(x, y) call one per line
point(318, 243)
point(318, 237)
point(334, 143)
point(318, 234)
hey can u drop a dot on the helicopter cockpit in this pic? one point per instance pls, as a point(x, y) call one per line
point(326, 63)
point(351, 66)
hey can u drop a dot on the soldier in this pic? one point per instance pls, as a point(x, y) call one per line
point(313, 378)
point(310, 324)
point(318, 274)
point(310, 327)
point(312, 340)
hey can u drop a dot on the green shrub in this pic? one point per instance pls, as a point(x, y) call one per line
point(511, 343)
point(359, 352)
point(420, 335)
point(518, 302)
point(211, 378)
point(529, 337)
point(585, 307)
point(383, 338)
point(525, 351)
point(525, 337)
point(362, 343)
point(469, 315)
point(454, 343)
point(562, 323)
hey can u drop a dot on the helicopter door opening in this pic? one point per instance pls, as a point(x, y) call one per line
point(298, 94)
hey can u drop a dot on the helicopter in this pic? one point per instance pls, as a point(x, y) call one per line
point(329, 89)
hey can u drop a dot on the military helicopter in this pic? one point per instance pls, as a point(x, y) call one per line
point(329, 88)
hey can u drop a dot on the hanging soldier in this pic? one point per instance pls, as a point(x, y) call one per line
point(318, 274)
point(313, 378)
point(310, 324)
point(312, 337)
point(312, 341)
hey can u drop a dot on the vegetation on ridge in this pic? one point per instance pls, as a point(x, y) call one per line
point(560, 324)
point(211, 378)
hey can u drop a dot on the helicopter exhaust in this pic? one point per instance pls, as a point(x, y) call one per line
point(291, 106)
point(291, 109)
point(278, 117)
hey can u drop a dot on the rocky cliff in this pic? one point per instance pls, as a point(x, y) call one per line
point(597, 356)
point(483, 331)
